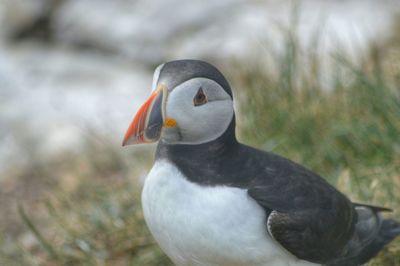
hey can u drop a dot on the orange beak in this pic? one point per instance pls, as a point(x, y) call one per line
point(148, 121)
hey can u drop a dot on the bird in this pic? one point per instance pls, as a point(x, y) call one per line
point(211, 200)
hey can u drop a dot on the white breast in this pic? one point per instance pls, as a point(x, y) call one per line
point(198, 225)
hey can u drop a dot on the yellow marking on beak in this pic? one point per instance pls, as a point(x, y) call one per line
point(170, 122)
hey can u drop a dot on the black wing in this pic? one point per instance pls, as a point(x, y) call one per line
point(306, 215)
point(314, 221)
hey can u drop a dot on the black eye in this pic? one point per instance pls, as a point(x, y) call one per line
point(200, 98)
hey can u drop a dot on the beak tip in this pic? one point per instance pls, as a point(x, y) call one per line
point(124, 142)
point(129, 141)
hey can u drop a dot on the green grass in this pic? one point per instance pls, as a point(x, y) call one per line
point(348, 132)
point(84, 208)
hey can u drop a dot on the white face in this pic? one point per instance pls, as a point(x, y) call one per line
point(202, 110)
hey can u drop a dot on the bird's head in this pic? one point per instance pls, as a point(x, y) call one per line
point(191, 103)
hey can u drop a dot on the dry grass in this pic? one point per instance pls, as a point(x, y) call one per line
point(78, 209)
point(83, 208)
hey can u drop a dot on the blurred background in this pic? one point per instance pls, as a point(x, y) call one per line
point(317, 81)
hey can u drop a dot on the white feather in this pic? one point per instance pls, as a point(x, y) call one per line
point(156, 76)
point(198, 225)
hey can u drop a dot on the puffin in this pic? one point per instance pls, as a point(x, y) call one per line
point(211, 200)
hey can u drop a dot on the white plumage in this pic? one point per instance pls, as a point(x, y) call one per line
point(198, 225)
